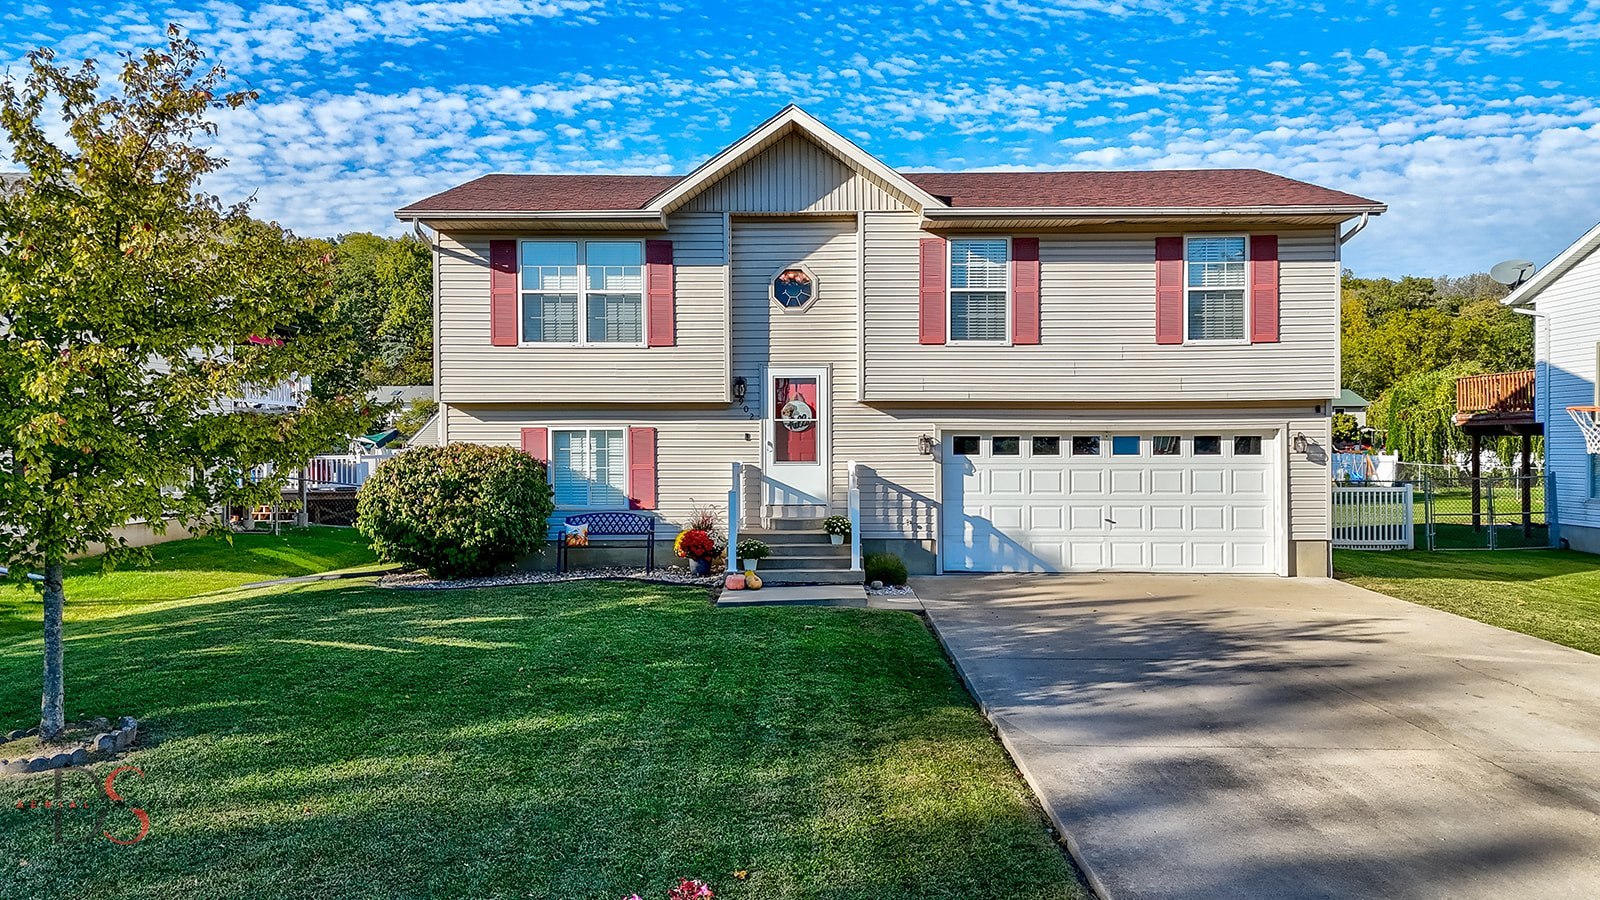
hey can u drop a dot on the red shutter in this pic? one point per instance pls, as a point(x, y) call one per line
point(1169, 290)
point(931, 291)
point(503, 293)
point(642, 468)
point(658, 283)
point(1024, 290)
point(536, 443)
point(1264, 289)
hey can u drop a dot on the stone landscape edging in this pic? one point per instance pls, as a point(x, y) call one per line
point(102, 746)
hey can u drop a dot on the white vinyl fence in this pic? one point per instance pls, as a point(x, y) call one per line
point(1373, 518)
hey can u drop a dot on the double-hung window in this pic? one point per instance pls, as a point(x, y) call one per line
point(588, 468)
point(1215, 285)
point(582, 292)
point(980, 287)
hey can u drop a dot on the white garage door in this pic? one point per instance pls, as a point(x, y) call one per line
point(1134, 502)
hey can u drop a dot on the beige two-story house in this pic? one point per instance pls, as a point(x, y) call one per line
point(1022, 371)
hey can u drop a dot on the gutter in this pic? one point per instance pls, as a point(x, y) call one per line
point(968, 212)
point(642, 215)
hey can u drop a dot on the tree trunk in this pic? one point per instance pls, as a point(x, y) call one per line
point(53, 704)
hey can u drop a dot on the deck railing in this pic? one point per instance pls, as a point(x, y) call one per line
point(1498, 392)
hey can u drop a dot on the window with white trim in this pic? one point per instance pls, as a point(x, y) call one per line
point(582, 292)
point(588, 468)
point(980, 288)
point(1214, 287)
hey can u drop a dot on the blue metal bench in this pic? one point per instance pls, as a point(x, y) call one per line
point(610, 525)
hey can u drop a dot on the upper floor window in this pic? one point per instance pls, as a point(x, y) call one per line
point(582, 292)
point(980, 308)
point(1214, 288)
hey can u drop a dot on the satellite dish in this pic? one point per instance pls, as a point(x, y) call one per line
point(1512, 272)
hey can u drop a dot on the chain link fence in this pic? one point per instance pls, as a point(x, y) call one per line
point(1454, 511)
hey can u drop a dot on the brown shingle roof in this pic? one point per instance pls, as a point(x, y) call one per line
point(1191, 188)
point(530, 193)
point(1180, 188)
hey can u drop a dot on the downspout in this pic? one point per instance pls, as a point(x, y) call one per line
point(1344, 238)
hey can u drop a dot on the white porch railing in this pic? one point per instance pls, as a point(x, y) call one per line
point(286, 396)
point(854, 509)
point(735, 488)
point(1373, 518)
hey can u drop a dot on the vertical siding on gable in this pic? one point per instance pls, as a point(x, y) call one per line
point(796, 175)
point(1097, 311)
point(1567, 378)
point(471, 370)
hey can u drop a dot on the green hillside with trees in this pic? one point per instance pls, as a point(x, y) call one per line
point(1406, 341)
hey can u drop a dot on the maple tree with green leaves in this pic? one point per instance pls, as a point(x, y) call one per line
point(132, 305)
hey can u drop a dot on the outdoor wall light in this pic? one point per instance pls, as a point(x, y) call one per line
point(925, 444)
point(739, 388)
point(1299, 442)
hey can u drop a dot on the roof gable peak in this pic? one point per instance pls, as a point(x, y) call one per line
point(789, 120)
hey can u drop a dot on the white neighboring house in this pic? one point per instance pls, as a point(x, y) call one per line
point(1564, 298)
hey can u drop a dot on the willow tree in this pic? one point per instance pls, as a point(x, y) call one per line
point(1416, 416)
point(132, 306)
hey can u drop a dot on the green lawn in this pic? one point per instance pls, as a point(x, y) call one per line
point(584, 740)
point(1552, 594)
point(180, 569)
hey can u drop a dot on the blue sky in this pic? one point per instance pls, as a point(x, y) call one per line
point(1478, 123)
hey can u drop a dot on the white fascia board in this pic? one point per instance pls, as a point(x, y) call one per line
point(1529, 290)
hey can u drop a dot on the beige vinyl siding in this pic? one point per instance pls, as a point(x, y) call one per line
point(695, 449)
point(823, 334)
point(1097, 297)
point(471, 370)
point(796, 175)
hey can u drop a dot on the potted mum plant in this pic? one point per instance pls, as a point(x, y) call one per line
point(837, 527)
point(698, 547)
point(752, 551)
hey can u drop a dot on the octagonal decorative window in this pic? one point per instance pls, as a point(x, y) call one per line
point(794, 288)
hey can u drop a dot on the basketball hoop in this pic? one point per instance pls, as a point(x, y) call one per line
point(1588, 419)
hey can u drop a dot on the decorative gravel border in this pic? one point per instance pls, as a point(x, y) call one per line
point(108, 742)
point(419, 581)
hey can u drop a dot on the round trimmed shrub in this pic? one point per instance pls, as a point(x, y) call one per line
point(456, 511)
point(884, 567)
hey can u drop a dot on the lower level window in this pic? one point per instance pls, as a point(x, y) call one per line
point(588, 468)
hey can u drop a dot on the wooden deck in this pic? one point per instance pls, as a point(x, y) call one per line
point(1497, 403)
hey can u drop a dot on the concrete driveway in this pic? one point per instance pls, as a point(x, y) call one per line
point(1220, 737)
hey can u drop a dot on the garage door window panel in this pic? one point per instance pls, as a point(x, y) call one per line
point(1086, 446)
point(1208, 445)
point(966, 445)
point(1047, 446)
point(1166, 445)
point(1006, 446)
point(1247, 445)
point(1125, 445)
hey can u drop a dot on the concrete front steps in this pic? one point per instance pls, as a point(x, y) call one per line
point(802, 556)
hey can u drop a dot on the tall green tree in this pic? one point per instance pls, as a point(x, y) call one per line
point(132, 305)
point(383, 289)
point(1393, 329)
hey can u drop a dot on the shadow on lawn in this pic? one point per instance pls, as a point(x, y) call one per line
point(541, 741)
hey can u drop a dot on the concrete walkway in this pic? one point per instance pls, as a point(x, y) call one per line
point(1219, 737)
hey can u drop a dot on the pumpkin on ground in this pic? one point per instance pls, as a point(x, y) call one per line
point(734, 583)
point(752, 580)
